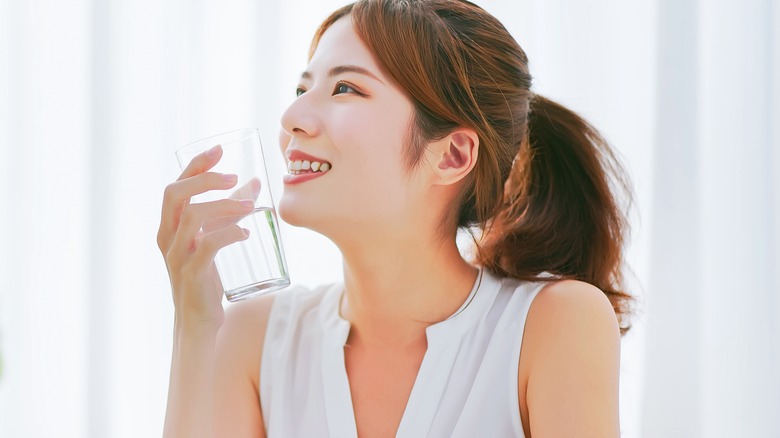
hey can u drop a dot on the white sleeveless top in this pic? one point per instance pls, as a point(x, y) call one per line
point(466, 385)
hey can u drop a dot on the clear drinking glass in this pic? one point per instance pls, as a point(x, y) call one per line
point(257, 265)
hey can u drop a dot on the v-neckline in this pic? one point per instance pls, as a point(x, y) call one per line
point(431, 379)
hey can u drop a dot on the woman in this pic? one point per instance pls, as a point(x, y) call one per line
point(423, 112)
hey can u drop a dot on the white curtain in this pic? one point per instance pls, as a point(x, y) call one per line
point(96, 95)
point(713, 330)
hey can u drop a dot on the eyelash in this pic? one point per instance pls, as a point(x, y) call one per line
point(339, 85)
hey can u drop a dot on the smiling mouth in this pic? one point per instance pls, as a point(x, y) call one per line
point(300, 167)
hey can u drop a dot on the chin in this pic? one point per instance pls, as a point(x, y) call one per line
point(298, 213)
point(291, 215)
point(303, 215)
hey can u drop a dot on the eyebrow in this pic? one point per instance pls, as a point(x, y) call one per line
point(335, 71)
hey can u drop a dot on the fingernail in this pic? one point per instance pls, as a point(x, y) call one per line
point(246, 232)
point(229, 178)
point(255, 186)
point(247, 203)
point(213, 151)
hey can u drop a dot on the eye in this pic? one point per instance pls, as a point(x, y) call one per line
point(343, 87)
point(299, 91)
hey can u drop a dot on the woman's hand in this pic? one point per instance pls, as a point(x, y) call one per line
point(189, 250)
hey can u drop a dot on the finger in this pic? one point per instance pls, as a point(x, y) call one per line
point(202, 162)
point(250, 190)
point(196, 214)
point(177, 196)
point(215, 241)
point(211, 225)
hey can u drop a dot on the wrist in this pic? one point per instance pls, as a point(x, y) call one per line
point(194, 326)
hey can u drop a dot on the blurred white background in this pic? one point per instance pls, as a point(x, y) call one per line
point(96, 95)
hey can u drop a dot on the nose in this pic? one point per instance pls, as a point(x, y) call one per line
point(300, 119)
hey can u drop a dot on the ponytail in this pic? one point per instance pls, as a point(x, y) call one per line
point(559, 213)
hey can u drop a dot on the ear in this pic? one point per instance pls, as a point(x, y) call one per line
point(453, 156)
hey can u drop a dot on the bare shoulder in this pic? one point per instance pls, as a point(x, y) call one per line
point(569, 306)
point(243, 331)
point(570, 321)
point(570, 360)
point(239, 348)
point(240, 340)
point(248, 313)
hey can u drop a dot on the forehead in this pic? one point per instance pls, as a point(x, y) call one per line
point(341, 45)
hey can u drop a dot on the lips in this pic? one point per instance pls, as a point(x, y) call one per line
point(296, 155)
point(291, 179)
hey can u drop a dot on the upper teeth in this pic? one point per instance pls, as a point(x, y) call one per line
point(297, 166)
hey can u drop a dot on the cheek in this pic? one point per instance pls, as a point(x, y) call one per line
point(370, 183)
point(371, 133)
point(371, 153)
point(371, 140)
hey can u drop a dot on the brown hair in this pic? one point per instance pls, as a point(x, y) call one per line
point(542, 187)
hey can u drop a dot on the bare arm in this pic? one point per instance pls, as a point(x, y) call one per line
point(191, 386)
point(237, 371)
point(570, 364)
point(211, 391)
point(214, 383)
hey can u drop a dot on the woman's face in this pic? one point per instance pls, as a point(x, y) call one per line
point(351, 116)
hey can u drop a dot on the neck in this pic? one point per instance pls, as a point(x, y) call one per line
point(395, 291)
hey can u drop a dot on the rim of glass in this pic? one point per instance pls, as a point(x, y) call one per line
point(197, 146)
